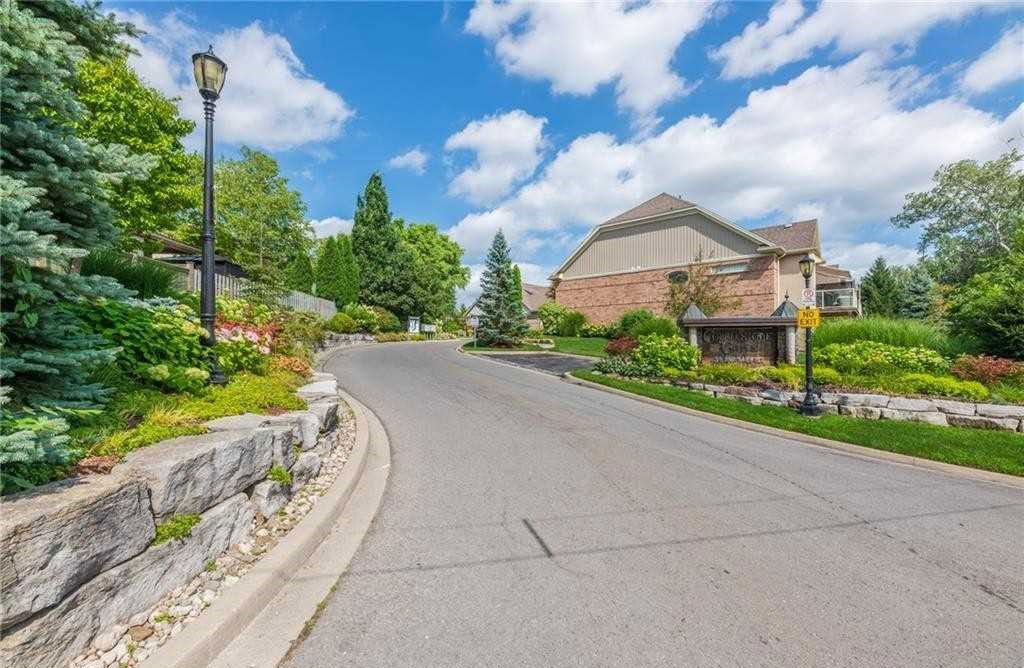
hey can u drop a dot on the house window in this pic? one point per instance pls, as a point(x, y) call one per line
point(678, 277)
point(735, 268)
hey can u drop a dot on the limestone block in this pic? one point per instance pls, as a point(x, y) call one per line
point(270, 496)
point(999, 411)
point(307, 423)
point(114, 596)
point(890, 414)
point(982, 422)
point(776, 395)
point(305, 469)
point(876, 400)
point(192, 473)
point(956, 407)
point(319, 389)
point(756, 401)
point(714, 388)
point(908, 404)
point(933, 417)
point(740, 390)
point(56, 537)
point(326, 411)
point(868, 412)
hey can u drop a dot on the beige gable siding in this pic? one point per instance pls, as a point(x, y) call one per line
point(658, 244)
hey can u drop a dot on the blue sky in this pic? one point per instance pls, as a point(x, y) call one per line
point(546, 119)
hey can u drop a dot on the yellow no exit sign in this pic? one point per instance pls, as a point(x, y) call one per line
point(808, 318)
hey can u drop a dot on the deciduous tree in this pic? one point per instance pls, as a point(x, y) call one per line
point(436, 271)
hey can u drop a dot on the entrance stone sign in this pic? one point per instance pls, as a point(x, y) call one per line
point(740, 345)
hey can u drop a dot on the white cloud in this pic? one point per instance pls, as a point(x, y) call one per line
point(414, 159)
point(508, 149)
point(328, 227)
point(268, 100)
point(844, 143)
point(531, 273)
point(786, 36)
point(858, 257)
point(579, 46)
point(1001, 64)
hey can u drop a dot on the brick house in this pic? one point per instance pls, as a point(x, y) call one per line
point(628, 261)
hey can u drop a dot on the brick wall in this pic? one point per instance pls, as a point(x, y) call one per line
point(604, 298)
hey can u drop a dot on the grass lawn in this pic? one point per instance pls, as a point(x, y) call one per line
point(471, 346)
point(999, 451)
point(592, 346)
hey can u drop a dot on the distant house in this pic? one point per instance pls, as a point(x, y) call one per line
point(173, 251)
point(628, 261)
point(533, 297)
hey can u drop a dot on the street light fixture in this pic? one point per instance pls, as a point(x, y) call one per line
point(811, 406)
point(210, 72)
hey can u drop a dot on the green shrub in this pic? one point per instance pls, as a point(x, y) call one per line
point(298, 333)
point(385, 320)
point(943, 386)
point(148, 278)
point(596, 330)
point(659, 326)
point(726, 374)
point(551, 314)
point(238, 356)
point(244, 311)
point(665, 351)
point(631, 319)
point(177, 527)
point(988, 308)
point(571, 323)
point(826, 376)
point(900, 332)
point(366, 319)
point(280, 475)
point(342, 323)
point(790, 376)
point(627, 367)
point(872, 357)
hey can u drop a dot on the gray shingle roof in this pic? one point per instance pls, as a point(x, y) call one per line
point(662, 203)
point(534, 296)
point(791, 236)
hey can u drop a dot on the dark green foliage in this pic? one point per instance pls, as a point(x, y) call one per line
point(502, 321)
point(918, 292)
point(971, 216)
point(630, 320)
point(880, 292)
point(342, 323)
point(436, 270)
point(300, 275)
point(348, 271)
point(364, 317)
point(384, 264)
point(990, 306)
point(386, 321)
point(328, 277)
point(655, 325)
point(53, 208)
point(147, 278)
point(570, 324)
point(517, 292)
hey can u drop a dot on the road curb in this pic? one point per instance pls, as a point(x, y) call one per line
point(485, 353)
point(846, 448)
point(229, 617)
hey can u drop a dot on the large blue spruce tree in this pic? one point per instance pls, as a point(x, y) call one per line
point(502, 320)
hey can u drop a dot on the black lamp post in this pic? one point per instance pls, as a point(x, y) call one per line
point(811, 405)
point(210, 72)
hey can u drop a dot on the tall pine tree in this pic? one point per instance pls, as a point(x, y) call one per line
point(348, 270)
point(879, 291)
point(384, 263)
point(54, 210)
point(917, 293)
point(328, 278)
point(502, 320)
point(517, 287)
point(299, 275)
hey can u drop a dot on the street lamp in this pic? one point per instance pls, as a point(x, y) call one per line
point(811, 406)
point(209, 71)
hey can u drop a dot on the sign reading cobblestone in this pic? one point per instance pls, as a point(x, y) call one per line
point(740, 345)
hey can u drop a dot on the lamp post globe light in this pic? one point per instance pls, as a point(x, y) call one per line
point(209, 71)
point(811, 405)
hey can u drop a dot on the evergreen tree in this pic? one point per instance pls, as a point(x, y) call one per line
point(299, 275)
point(348, 270)
point(517, 287)
point(328, 278)
point(879, 291)
point(918, 291)
point(384, 264)
point(54, 210)
point(502, 320)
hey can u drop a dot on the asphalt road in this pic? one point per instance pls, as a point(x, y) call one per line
point(530, 522)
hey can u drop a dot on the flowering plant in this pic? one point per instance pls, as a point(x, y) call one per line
point(261, 337)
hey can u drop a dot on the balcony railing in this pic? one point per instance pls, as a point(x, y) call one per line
point(839, 298)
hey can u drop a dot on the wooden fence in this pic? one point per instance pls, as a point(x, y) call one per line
point(233, 286)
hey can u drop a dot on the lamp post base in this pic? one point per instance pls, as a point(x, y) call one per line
point(217, 377)
point(811, 409)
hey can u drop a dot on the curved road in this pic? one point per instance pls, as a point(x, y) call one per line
point(531, 522)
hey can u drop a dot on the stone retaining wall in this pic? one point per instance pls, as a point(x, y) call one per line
point(946, 412)
point(77, 558)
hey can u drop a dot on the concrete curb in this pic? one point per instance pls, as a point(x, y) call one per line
point(846, 448)
point(485, 353)
point(199, 644)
